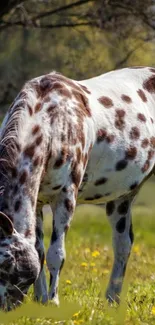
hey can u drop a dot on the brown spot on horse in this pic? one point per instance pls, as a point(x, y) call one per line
point(141, 117)
point(35, 129)
point(134, 133)
point(105, 101)
point(149, 84)
point(131, 153)
point(145, 143)
point(119, 119)
point(126, 99)
point(23, 177)
point(142, 95)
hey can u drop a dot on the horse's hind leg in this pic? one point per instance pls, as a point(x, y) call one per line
point(40, 287)
point(119, 215)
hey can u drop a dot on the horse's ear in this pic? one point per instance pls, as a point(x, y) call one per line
point(6, 224)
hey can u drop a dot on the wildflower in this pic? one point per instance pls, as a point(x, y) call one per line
point(95, 253)
point(153, 310)
point(95, 270)
point(84, 264)
point(76, 314)
point(105, 271)
point(136, 249)
point(68, 282)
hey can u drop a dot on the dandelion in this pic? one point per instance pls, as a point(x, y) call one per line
point(153, 310)
point(95, 253)
point(68, 282)
point(136, 249)
point(84, 264)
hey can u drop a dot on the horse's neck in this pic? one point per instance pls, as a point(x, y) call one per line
point(23, 150)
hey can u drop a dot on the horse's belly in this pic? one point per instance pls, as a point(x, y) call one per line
point(112, 171)
point(110, 176)
point(105, 193)
point(108, 187)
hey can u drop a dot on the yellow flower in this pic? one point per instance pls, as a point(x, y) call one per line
point(44, 262)
point(136, 249)
point(84, 264)
point(68, 282)
point(95, 270)
point(153, 310)
point(95, 253)
point(92, 264)
point(76, 314)
point(105, 271)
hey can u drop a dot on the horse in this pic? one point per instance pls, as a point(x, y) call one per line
point(64, 142)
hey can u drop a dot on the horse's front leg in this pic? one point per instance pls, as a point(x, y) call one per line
point(40, 287)
point(62, 215)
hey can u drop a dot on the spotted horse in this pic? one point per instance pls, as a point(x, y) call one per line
point(64, 141)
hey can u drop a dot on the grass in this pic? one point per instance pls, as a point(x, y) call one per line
point(86, 272)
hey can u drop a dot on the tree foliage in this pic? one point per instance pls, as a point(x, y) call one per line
point(112, 15)
point(80, 38)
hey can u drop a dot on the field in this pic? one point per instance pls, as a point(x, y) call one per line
point(87, 269)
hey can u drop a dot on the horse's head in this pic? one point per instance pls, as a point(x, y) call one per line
point(19, 264)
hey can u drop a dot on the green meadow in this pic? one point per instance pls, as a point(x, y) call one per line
point(85, 275)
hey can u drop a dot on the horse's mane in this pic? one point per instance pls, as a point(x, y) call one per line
point(9, 137)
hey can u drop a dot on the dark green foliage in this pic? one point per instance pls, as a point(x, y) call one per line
point(80, 39)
